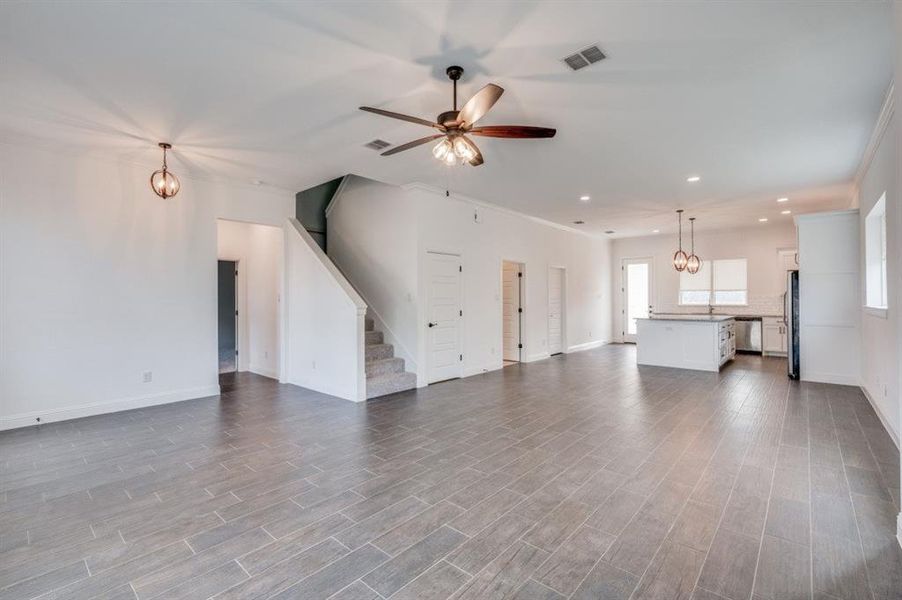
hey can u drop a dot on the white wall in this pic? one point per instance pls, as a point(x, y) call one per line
point(372, 238)
point(380, 236)
point(258, 250)
point(759, 245)
point(324, 348)
point(448, 225)
point(101, 280)
point(880, 358)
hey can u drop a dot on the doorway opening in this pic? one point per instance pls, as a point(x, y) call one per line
point(249, 292)
point(227, 302)
point(512, 312)
point(637, 291)
point(557, 306)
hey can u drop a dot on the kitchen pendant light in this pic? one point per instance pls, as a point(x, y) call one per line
point(680, 259)
point(164, 184)
point(693, 263)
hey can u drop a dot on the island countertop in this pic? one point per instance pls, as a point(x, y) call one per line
point(701, 318)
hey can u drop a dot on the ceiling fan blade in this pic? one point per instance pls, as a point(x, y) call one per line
point(476, 160)
point(479, 104)
point(408, 118)
point(513, 131)
point(412, 144)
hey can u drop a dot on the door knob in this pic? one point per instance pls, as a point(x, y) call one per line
point(433, 324)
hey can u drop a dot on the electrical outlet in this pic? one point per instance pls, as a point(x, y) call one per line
point(493, 350)
point(266, 354)
point(314, 365)
point(148, 376)
point(590, 334)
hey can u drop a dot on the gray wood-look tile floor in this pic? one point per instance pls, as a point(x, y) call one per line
point(582, 476)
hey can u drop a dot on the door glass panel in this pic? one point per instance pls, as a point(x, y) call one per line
point(636, 294)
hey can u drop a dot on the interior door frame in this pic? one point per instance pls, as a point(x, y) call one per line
point(521, 287)
point(427, 362)
point(564, 346)
point(240, 338)
point(650, 260)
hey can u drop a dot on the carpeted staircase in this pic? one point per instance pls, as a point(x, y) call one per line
point(385, 372)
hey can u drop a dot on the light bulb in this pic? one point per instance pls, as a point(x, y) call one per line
point(450, 158)
point(441, 150)
point(461, 149)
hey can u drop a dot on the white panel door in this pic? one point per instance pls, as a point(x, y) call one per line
point(555, 310)
point(510, 294)
point(637, 294)
point(444, 313)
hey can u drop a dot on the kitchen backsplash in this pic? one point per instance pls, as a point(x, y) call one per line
point(764, 306)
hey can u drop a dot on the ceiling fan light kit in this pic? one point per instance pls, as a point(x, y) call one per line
point(454, 125)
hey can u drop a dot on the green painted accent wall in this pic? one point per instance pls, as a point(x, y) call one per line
point(310, 209)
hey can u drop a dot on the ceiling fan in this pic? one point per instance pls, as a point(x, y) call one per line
point(455, 126)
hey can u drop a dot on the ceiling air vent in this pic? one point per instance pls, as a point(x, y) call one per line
point(579, 222)
point(584, 58)
point(609, 231)
point(377, 145)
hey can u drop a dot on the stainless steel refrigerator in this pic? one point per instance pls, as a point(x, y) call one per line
point(791, 320)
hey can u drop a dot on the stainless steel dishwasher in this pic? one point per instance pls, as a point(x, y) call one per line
point(748, 335)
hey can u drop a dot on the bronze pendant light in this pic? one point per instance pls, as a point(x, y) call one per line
point(693, 263)
point(680, 259)
point(164, 184)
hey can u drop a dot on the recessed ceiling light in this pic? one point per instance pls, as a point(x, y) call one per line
point(762, 220)
point(257, 181)
point(693, 178)
point(782, 199)
point(585, 198)
point(785, 212)
point(656, 231)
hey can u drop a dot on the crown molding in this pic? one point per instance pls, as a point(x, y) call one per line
point(425, 187)
point(883, 120)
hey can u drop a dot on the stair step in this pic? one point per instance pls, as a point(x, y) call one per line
point(368, 324)
point(374, 337)
point(377, 351)
point(390, 384)
point(384, 366)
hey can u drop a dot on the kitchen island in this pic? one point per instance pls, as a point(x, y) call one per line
point(698, 342)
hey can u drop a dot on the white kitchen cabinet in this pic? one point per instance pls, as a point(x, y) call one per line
point(697, 342)
point(773, 336)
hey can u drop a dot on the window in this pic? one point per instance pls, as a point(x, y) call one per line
point(718, 282)
point(875, 255)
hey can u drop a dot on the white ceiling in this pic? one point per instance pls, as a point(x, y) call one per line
point(761, 99)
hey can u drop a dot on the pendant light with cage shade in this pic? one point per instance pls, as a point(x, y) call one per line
point(693, 263)
point(164, 184)
point(680, 258)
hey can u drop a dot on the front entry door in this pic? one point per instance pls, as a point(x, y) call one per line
point(637, 291)
point(443, 309)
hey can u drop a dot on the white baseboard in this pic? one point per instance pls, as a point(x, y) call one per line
point(892, 434)
point(830, 378)
point(265, 371)
point(100, 408)
point(899, 529)
point(537, 356)
point(586, 346)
